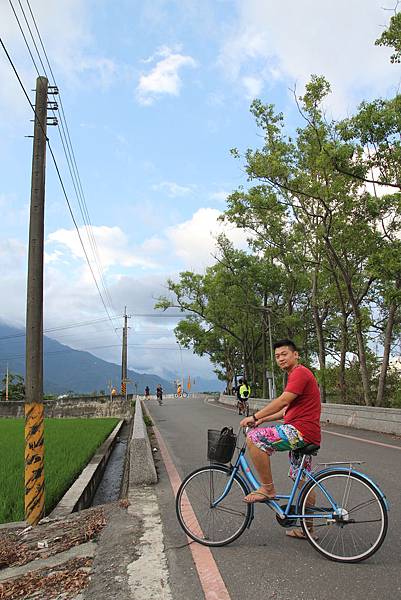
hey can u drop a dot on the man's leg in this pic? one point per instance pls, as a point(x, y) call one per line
point(261, 461)
point(298, 532)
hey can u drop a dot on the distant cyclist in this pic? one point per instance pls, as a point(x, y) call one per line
point(147, 392)
point(243, 393)
point(159, 394)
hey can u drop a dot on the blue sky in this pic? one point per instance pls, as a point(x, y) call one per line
point(156, 93)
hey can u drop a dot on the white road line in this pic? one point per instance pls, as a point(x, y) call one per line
point(359, 439)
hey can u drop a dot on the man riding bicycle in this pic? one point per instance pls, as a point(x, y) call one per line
point(299, 404)
point(243, 393)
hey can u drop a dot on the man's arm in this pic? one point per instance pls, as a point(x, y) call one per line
point(276, 417)
point(276, 406)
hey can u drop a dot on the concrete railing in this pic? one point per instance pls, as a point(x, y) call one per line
point(85, 406)
point(142, 467)
point(385, 420)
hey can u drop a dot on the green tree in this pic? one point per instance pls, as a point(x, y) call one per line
point(16, 387)
point(391, 37)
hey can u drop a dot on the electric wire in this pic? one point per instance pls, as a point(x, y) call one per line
point(50, 352)
point(60, 180)
point(71, 160)
point(60, 328)
point(67, 146)
point(91, 322)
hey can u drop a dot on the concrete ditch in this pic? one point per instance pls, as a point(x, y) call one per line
point(138, 468)
point(81, 492)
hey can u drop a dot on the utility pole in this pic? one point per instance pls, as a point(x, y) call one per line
point(124, 356)
point(34, 413)
point(7, 384)
point(264, 350)
point(34, 430)
point(271, 353)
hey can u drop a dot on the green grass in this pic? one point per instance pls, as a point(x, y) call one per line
point(69, 445)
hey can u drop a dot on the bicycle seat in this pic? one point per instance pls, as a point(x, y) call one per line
point(308, 450)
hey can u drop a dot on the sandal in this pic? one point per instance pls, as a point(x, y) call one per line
point(259, 495)
point(299, 534)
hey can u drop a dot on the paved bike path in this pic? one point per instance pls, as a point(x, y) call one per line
point(263, 563)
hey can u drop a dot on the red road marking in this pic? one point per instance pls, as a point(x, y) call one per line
point(209, 574)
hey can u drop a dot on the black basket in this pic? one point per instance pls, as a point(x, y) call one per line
point(221, 445)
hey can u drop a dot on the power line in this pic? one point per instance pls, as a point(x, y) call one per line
point(66, 144)
point(52, 329)
point(68, 149)
point(61, 181)
point(92, 322)
point(157, 315)
point(51, 352)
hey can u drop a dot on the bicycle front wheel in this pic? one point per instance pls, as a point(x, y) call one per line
point(207, 524)
point(356, 529)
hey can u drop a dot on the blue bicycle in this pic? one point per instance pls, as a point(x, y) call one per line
point(343, 513)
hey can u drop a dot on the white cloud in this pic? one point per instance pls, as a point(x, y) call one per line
point(253, 86)
point(112, 243)
point(194, 241)
point(173, 189)
point(291, 40)
point(132, 279)
point(164, 77)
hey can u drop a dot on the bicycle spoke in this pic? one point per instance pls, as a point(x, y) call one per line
point(208, 524)
point(220, 508)
point(345, 538)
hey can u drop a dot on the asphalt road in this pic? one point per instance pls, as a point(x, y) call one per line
point(263, 563)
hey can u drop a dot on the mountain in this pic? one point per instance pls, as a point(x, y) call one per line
point(69, 370)
point(66, 369)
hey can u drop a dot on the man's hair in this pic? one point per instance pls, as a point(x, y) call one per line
point(285, 342)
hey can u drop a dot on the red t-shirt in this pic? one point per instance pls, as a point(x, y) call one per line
point(304, 412)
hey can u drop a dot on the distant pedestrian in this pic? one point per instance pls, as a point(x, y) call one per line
point(159, 394)
point(147, 392)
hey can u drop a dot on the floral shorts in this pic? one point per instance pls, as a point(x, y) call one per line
point(279, 438)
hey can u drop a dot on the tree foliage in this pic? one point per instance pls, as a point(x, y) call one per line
point(322, 211)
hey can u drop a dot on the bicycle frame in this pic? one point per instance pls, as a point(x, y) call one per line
point(241, 464)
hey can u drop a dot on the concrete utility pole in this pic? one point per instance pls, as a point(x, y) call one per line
point(124, 356)
point(7, 384)
point(273, 391)
point(34, 430)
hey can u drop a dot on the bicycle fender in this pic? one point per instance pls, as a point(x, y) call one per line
point(344, 470)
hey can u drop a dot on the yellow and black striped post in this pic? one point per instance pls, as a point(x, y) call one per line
point(34, 438)
point(34, 463)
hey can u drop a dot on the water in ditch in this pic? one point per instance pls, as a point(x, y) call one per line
point(109, 488)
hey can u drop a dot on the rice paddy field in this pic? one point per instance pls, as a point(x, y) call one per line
point(69, 445)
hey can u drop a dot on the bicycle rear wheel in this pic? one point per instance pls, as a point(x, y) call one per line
point(358, 528)
point(208, 525)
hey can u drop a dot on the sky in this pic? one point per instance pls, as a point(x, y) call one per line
point(155, 94)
